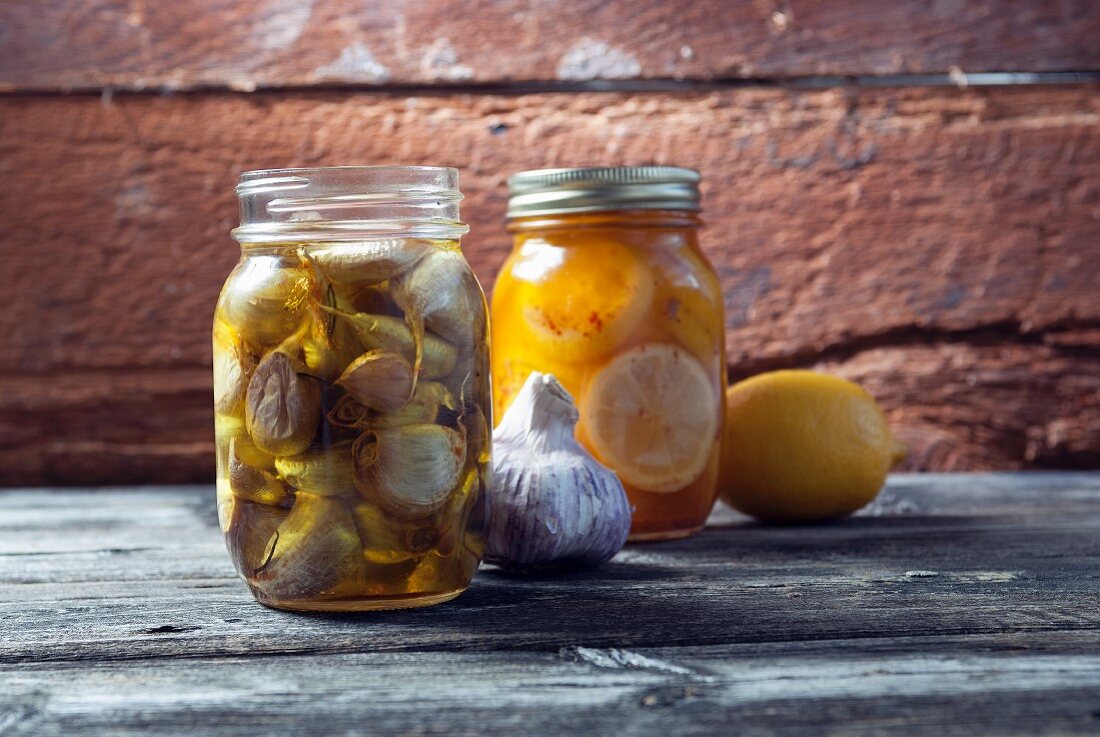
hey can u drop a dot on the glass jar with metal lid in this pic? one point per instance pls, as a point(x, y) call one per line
point(607, 288)
point(351, 390)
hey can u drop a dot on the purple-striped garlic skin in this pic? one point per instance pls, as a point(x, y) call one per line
point(551, 505)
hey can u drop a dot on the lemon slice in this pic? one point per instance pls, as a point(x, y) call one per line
point(587, 299)
point(652, 415)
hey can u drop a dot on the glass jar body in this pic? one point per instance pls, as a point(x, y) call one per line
point(625, 309)
point(352, 411)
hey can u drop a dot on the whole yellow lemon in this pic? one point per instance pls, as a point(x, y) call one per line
point(800, 446)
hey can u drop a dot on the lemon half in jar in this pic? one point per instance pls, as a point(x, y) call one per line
point(652, 415)
point(587, 304)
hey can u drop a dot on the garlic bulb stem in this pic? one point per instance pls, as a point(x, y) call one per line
point(545, 421)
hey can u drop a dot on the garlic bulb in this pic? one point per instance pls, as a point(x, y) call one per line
point(552, 503)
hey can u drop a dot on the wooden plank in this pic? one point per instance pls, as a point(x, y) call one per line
point(841, 222)
point(954, 605)
point(132, 574)
point(94, 427)
point(994, 685)
point(135, 44)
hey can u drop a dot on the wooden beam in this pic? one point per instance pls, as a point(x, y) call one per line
point(252, 44)
point(953, 230)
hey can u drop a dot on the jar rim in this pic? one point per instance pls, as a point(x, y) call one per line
point(348, 203)
point(253, 179)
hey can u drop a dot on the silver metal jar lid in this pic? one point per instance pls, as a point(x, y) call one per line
point(588, 189)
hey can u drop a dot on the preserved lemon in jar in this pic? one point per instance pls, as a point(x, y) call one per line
point(607, 288)
point(351, 390)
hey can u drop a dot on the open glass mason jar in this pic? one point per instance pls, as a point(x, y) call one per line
point(607, 289)
point(351, 390)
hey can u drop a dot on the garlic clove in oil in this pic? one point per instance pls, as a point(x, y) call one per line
point(369, 262)
point(233, 431)
point(233, 366)
point(379, 380)
point(254, 484)
point(328, 349)
point(386, 333)
point(315, 548)
point(348, 413)
point(325, 343)
point(322, 472)
point(386, 540)
point(409, 471)
point(282, 406)
point(267, 301)
point(429, 398)
point(442, 293)
point(551, 503)
point(250, 534)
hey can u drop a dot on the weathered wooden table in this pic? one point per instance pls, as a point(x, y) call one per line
point(955, 605)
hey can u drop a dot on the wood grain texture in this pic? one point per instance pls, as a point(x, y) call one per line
point(956, 604)
point(250, 44)
point(953, 231)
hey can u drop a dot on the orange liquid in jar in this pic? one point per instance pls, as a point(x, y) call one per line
point(626, 311)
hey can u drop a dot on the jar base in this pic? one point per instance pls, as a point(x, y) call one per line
point(372, 604)
point(650, 537)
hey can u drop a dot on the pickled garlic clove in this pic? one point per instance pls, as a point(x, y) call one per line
point(229, 429)
point(424, 407)
point(434, 575)
point(327, 353)
point(315, 549)
point(282, 407)
point(389, 553)
point(373, 300)
point(266, 302)
point(326, 345)
point(428, 401)
point(442, 293)
point(233, 366)
point(409, 471)
point(386, 540)
point(454, 518)
point(251, 534)
point(328, 472)
point(254, 484)
point(348, 413)
point(381, 332)
point(224, 501)
point(379, 380)
point(369, 262)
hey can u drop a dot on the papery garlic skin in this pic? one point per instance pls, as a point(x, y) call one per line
point(552, 504)
point(282, 406)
